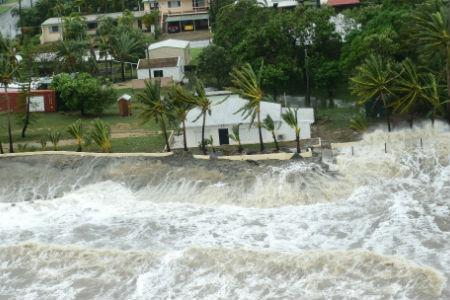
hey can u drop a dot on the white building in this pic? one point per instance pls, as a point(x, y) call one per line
point(165, 59)
point(224, 115)
point(161, 68)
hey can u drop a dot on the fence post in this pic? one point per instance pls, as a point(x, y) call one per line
point(385, 147)
point(353, 152)
point(421, 143)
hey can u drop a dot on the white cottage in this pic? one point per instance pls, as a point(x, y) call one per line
point(223, 116)
point(169, 67)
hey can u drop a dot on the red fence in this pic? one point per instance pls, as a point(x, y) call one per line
point(40, 101)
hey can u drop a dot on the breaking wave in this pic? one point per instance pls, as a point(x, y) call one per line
point(196, 273)
point(371, 223)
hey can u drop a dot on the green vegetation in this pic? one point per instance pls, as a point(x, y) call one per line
point(195, 53)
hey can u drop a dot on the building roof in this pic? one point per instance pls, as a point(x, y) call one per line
point(152, 63)
point(223, 112)
point(169, 43)
point(92, 18)
point(342, 2)
point(125, 97)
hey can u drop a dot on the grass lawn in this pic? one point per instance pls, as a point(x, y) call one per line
point(142, 137)
point(195, 53)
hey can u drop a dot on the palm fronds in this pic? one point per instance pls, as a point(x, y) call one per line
point(101, 135)
point(76, 131)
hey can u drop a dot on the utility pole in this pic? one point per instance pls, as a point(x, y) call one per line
point(308, 92)
point(20, 18)
point(448, 63)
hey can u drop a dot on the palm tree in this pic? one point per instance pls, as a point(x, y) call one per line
point(433, 35)
point(236, 136)
point(8, 68)
point(269, 125)
point(181, 108)
point(434, 94)
point(101, 135)
point(291, 118)
point(373, 81)
point(154, 106)
point(198, 99)
point(247, 84)
point(54, 137)
point(408, 88)
point(76, 131)
point(123, 47)
point(71, 53)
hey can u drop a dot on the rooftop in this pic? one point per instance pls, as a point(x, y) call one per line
point(147, 63)
point(169, 43)
point(92, 18)
point(342, 2)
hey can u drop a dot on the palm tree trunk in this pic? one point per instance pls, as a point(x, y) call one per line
point(297, 139)
point(27, 111)
point(386, 112)
point(203, 133)
point(184, 136)
point(123, 70)
point(448, 66)
point(275, 140)
point(166, 138)
point(8, 103)
point(261, 142)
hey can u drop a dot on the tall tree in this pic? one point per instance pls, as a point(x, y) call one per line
point(291, 118)
point(373, 82)
point(181, 107)
point(432, 21)
point(198, 99)
point(8, 69)
point(124, 48)
point(247, 84)
point(269, 125)
point(155, 107)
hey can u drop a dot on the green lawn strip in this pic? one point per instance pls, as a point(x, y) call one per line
point(195, 53)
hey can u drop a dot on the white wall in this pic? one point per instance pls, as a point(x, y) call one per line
point(173, 72)
point(248, 136)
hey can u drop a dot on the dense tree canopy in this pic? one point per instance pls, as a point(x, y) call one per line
point(82, 92)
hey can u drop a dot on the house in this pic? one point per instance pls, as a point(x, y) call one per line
point(165, 59)
point(40, 101)
point(169, 67)
point(224, 115)
point(51, 29)
point(180, 15)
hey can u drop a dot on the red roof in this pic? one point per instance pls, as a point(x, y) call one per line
point(342, 2)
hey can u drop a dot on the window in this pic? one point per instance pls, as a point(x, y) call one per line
point(158, 73)
point(92, 26)
point(54, 29)
point(173, 4)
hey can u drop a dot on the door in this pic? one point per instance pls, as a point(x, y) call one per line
point(37, 103)
point(223, 136)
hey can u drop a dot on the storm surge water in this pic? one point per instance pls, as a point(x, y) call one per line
point(369, 224)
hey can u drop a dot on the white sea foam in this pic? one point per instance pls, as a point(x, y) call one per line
point(55, 272)
point(308, 220)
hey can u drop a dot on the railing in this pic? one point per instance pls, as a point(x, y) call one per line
point(194, 10)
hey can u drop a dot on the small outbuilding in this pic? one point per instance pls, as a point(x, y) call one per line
point(169, 67)
point(124, 102)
